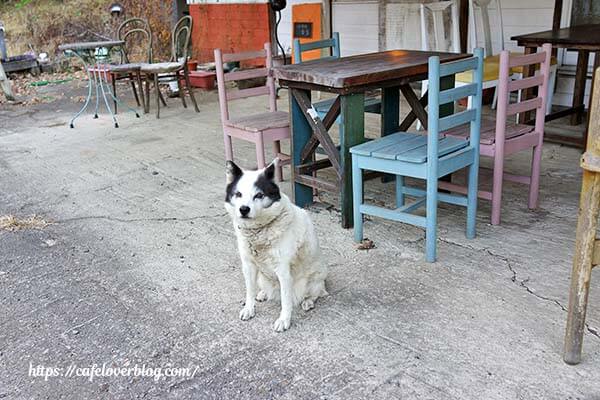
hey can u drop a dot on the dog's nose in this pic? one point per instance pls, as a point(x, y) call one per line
point(244, 210)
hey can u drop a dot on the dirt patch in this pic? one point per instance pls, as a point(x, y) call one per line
point(12, 223)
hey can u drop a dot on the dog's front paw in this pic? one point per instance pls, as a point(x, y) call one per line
point(281, 324)
point(246, 313)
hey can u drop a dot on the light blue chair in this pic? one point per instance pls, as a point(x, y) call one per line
point(372, 104)
point(427, 157)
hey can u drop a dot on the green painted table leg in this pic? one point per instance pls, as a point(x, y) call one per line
point(352, 132)
point(301, 131)
point(390, 116)
point(447, 82)
point(390, 110)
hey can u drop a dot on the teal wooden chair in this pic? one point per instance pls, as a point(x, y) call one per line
point(372, 104)
point(427, 157)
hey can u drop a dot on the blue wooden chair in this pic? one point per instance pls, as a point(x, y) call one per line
point(372, 104)
point(427, 157)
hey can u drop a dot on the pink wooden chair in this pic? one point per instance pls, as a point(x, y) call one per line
point(502, 138)
point(271, 126)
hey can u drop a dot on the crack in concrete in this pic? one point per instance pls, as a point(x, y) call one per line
point(125, 220)
point(522, 283)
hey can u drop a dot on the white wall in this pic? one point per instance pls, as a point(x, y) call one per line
point(358, 25)
point(402, 26)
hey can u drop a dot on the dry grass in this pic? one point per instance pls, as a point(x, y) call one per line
point(12, 223)
point(42, 25)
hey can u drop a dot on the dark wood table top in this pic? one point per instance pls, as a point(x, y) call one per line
point(365, 70)
point(580, 37)
point(90, 45)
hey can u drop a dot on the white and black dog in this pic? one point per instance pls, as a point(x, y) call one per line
point(277, 242)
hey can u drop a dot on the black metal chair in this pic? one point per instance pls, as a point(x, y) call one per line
point(173, 70)
point(127, 70)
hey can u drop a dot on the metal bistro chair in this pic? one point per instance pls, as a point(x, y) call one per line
point(426, 157)
point(174, 70)
point(127, 70)
point(372, 104)
point(272, 126)
point(499, 139)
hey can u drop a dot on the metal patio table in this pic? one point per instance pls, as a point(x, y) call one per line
point(95, 56)
point(582, 38)
point(349, 78)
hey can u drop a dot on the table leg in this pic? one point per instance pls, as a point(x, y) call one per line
point(579, 91)
point(352, 132)
point(390, 116)
point(101, 83)
point(301, 132)
point(89, 95)
point(390, 110)
point(447, 82)
point(527, 72)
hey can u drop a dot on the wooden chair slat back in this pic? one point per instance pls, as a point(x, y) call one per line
point(226, 94)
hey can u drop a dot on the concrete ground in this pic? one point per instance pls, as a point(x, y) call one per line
point(140, 266)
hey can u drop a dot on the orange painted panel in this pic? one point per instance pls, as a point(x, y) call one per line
point(232, 27)
point(309, 12)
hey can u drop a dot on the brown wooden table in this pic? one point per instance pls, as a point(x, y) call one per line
point(350, 78)
point(582, 38)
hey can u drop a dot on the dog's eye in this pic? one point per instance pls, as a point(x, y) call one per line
point(238, 194)
point(259, 196)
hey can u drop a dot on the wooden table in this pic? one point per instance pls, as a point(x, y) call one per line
point(582, 38)
point(91, 53)
point(349, 78)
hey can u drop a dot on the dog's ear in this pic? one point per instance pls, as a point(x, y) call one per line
point(270, 169)
point(232, 171)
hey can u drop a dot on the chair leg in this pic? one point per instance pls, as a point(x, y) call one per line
point(113, 80)
point(260, 151)
point(497, 188)
point(147, 96)
point(228, 147)
point(431, 225)
point(399, 191)
point(472, 200)
point(138, 78)
point(190, 91)
point(357, 194)
point(534, 185)
point(135, 94)
point(158, 95)
point(279, 169)
point(181, 94)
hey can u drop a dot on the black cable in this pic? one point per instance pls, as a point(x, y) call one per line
point(277, 36)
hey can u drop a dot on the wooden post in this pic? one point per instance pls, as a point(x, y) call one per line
point(464, 25)
point(5, 84)
point(585, 240)
point(558, 5)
